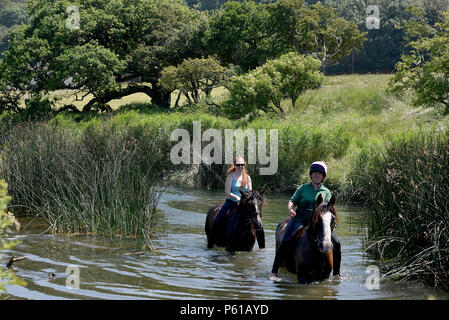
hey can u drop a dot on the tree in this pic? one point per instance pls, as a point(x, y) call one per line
point(330, 37)
point(264, 87)
point(384, 46)
point(171, 33)
point(116, 41)
point(94, 67)
point(293, 74)
point(285, 17)
point(434, 10)
point(425, 69)
point(238, 34)
point(192, 77)
point(11, 14)
point(313, 29)
point(250, 93)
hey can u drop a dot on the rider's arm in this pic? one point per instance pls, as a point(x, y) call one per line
point(292, 212)
point(228, 185)
point(250, 184)
point(294, 200)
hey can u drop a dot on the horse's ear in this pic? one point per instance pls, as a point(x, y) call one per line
point(333, 199)
point(319, 199)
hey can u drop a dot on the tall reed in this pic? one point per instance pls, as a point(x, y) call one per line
point(406, 189)
point(100, 180)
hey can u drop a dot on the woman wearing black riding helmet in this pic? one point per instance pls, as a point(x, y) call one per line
point(305, 200)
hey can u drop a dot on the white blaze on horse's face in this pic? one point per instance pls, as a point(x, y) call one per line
point(327, 219)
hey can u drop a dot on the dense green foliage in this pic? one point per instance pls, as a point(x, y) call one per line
point(192, 77)
point(380, 52)
point(96, 49)
point(239, 34)
point(330, 37)
point(116, 41)
point(12, 13)
point(120, 40)
point(6, 220)
point(266, 86)
point(425, 69)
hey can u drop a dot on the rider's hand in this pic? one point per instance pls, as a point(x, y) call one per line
point(292, 212)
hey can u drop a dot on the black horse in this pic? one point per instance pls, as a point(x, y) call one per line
point(315, 251)
point(241, 226)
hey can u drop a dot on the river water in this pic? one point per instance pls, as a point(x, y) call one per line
point(183, 268)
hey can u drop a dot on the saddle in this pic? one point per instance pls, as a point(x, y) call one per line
point(298, 233)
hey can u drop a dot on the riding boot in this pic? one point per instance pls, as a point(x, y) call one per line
point(291, 231)
point(280, 256)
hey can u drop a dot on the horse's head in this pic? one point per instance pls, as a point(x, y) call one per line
point(253, 202)
point(323, 223)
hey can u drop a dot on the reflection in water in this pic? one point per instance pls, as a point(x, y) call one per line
point(183, 267)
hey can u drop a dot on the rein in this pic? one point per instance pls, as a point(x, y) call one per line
point(313, 221)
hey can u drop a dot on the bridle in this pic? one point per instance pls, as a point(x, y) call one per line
point(248, 218)
point(324, 208)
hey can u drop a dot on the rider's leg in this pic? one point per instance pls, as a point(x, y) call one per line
point(292, 227)
point(227, 205)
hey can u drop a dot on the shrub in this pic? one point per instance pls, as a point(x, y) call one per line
point(264, 87)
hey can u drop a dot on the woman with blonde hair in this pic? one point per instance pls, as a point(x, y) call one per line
point(237, 180)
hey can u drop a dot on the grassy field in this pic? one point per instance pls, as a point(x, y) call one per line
point(69, 97)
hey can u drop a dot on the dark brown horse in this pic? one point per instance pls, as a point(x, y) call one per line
point(241, 226)
point(315, 251)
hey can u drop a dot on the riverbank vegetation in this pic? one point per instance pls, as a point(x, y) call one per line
point(405, 187)
point(7, 219)
point(80, 172)
point(98, 180)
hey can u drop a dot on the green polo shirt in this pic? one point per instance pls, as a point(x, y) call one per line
point(305, 198)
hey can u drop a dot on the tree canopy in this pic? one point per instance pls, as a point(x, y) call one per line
point(425, 69)
point(117, 40)
point(108, 49)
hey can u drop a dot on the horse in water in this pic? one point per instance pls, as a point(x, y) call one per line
point(315, 250)
point(241, 226)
